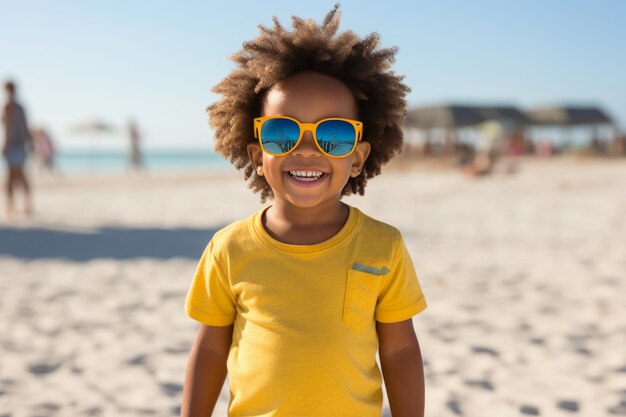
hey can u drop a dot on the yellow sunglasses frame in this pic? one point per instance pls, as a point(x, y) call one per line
point(311, 127)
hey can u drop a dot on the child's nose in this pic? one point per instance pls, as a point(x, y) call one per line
point(307, 146)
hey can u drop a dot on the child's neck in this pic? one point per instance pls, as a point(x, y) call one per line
point(305, 225)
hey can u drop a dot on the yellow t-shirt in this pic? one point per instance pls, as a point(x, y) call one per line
point(304, 339)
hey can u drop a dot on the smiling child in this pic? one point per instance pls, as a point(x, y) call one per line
point(296, 300)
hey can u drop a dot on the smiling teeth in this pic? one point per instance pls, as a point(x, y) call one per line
point(308, 175)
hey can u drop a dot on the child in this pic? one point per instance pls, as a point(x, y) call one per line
point(295, 301)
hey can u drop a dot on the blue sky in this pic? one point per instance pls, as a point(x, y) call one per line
point(157, 60)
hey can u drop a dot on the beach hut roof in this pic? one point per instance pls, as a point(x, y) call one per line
point(568, 116)
point(455, 116)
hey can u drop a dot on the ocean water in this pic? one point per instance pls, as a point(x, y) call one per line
point(85, 161)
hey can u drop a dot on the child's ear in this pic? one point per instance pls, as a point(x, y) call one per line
point(361, 153)
point(255, 153)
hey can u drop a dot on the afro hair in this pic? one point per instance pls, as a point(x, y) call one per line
point(277, 54)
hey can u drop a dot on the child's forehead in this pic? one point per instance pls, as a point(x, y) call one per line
point(324, 95)
point(310, 80)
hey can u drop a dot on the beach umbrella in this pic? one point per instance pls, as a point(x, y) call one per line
point(95, 152)
point(93, 128)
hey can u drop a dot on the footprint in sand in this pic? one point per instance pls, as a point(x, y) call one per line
point(172, 294)
point(43, 368)
point(609, 282)
point(548, 310)
point(184, 348)
point(620, 370)
point(486, 350)
point(94, 411)
point(5, 384)
point(472, 308)
point(529, 410)
point(583, 351)
point(172, 389)
point(479, 383)
point(137, 360)
point(46, 409)
point(538, 341)
point(145, 411)
point(454, 406)
point(619, 409)
point(568, 405)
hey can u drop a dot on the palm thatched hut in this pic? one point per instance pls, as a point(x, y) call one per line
point(439, 128)
point(573, 126)
point(568, 116)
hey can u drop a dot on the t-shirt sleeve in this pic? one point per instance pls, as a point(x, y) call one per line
point(401, 296)
point(209, 299)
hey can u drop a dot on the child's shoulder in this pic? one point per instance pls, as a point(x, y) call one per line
point(376, 229)
point(233, 229)
point(234, 235)
point(377, 239)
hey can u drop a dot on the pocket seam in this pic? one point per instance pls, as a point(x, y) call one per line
point(352, 318)
point(372, 270)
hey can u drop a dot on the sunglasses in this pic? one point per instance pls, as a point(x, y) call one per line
point(335, 137)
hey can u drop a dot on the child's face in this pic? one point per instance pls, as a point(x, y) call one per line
point(308, 97)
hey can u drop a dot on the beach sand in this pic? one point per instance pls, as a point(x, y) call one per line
point(525, 276)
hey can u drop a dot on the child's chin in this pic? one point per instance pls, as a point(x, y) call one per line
point(301, 201)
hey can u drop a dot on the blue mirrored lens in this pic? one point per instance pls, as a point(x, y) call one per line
point(336, 137)
point(279, 135)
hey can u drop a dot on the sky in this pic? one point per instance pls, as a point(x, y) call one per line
point(156, 61)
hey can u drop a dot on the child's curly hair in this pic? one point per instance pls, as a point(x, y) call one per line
point(277, 54)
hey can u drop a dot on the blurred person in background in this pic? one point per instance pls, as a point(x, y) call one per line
point(44, 148)
point(17, 144)
point(135, 148)
point(617, 146)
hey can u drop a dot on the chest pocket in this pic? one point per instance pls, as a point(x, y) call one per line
point(360, 301)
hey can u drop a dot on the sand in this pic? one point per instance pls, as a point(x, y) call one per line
point(524, 275)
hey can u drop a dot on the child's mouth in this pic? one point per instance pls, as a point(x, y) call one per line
point(306, 177)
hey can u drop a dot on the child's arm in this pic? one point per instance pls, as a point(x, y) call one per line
point(206, 370)
point(401, 362)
